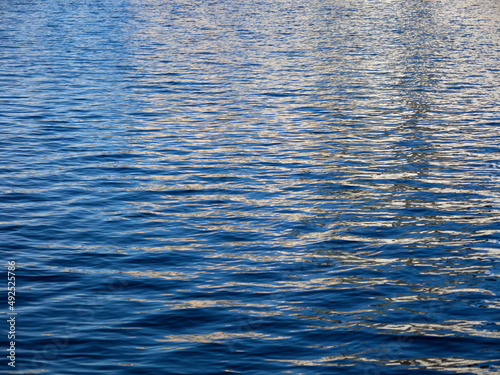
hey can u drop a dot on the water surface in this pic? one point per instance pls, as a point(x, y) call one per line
point(254, 187)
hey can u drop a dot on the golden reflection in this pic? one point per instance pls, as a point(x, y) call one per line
point(167, 275)
point(454, 364)
point(218, 336)
point(356, 133)
point(457, 365)
point(324, 361)
point(201, 304)
point(448, 328)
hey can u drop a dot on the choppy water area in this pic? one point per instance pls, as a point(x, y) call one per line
point(253, 187)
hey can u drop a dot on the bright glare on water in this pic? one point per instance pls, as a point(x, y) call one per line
point(252, 187)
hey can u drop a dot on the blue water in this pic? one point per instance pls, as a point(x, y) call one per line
point(251, 187)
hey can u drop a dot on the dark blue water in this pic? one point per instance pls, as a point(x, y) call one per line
point(253, 187)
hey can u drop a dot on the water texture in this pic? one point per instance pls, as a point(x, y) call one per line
point(252, 187)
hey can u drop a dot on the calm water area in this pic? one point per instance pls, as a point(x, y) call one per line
point(212, 187)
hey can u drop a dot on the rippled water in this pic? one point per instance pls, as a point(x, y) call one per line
point(257, 187)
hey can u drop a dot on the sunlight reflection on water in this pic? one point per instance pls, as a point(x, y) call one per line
point(252, 187)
